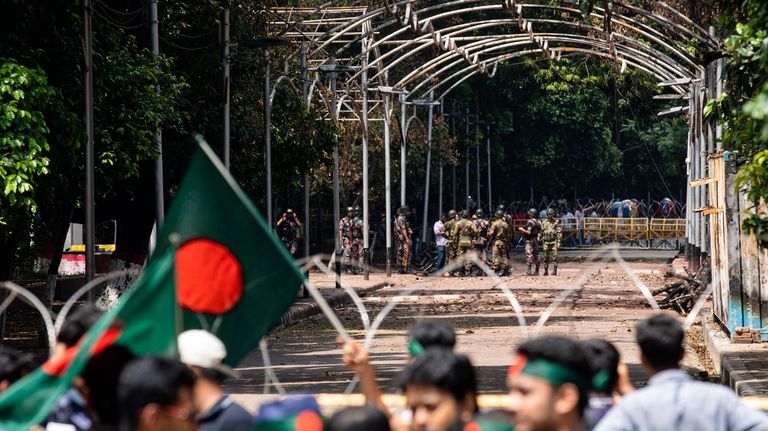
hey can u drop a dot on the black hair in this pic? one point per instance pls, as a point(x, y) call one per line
point(150, 380)
point(443, 369)
point(602, 357)
point(433, 333)
point(13, 364)
point(77, 324)
point(366, 418)
point(661, 341)
point(101, 375)
point(562, 351)
point(212, 374)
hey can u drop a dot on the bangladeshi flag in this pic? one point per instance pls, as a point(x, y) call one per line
point(217, 266)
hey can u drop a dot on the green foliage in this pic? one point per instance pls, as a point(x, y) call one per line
point(743, 111)
point(23, 134)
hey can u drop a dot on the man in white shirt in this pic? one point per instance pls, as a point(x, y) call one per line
point(440, 240)
point(672, 400)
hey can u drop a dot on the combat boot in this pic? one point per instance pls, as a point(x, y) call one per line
point(554, 271)
point(528, 271)
point(546, 270)
point(537, 271)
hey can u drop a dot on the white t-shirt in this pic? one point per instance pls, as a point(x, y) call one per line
point(440, 240)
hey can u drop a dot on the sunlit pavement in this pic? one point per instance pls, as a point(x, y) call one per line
point(307, 359)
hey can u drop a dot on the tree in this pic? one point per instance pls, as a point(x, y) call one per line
point(23, 152)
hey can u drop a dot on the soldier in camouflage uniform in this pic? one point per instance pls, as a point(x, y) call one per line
point(346, 239)
point(463, 231)
point(453, 217)
point(358, 252)
point(551, 234)
point(498, 234)
point(531, 235)
point(479, 243)
point(403, 233)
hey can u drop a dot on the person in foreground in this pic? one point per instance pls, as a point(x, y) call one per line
point(440, 390)
point(156, 394)
point(204, 353)
point(672, 400)
point(549, 385)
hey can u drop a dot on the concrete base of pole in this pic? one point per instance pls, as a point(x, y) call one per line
point(367, 260)
point(389, 261)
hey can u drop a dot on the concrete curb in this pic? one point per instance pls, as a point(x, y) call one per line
point(742, 367)
point(303, 311)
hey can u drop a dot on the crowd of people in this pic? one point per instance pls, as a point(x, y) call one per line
point(554, 383)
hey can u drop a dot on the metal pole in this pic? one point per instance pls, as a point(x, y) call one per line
point(364, 118)
point(404, 135)
point(225, 59)
point(159, 187)
point(453, 166)
point(90, 219)
point(425, 216)
point(304, 92)
point(466, 169)
point(477, 160)
point(388, 179)
point(488, 153)
point(336, 199)
point(268, 135)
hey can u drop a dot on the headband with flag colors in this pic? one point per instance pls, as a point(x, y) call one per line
point(550, 371)
point(415, 348)
point(217, 266)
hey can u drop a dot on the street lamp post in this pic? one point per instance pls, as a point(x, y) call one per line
point(332, 70)
point(431, 103)
point(387, 93)
point(266, 44)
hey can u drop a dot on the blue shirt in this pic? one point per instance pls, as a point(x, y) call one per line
point(673, 401)
point(226, 415)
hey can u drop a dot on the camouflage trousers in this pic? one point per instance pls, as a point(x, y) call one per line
point(403, 254)
point(462, 255)
point(480, 250)
point(500, 259)
point(356, 253)
point(550, 254)
point(532, 252)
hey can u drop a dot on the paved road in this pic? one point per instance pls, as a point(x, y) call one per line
point(307, 359)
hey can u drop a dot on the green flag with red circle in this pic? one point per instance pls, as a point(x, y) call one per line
point(217, 266)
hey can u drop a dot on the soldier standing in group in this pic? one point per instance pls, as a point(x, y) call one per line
point(346, 238)
point(498, 235)
point(453, 217)
point(463, 231)
point(358, 254)
point(403, 233)
point(551, 234)
point(289, 229)
point(480, 225)
point(531, 235)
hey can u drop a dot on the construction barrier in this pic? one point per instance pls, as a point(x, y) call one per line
point(645, 232)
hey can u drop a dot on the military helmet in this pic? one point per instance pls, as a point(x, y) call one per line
point(532, 212)
point(501, 208)
point(479, 212)
point(550, 211)
point(358, 209)
point(289, 211)
point(350, 210)
point(464, 213)
point(452, 213)
point(499, 213)
point(403, 210)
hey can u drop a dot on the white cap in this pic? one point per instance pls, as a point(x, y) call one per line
point(202, 349)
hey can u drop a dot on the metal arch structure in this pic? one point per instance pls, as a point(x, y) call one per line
point(432, 47)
